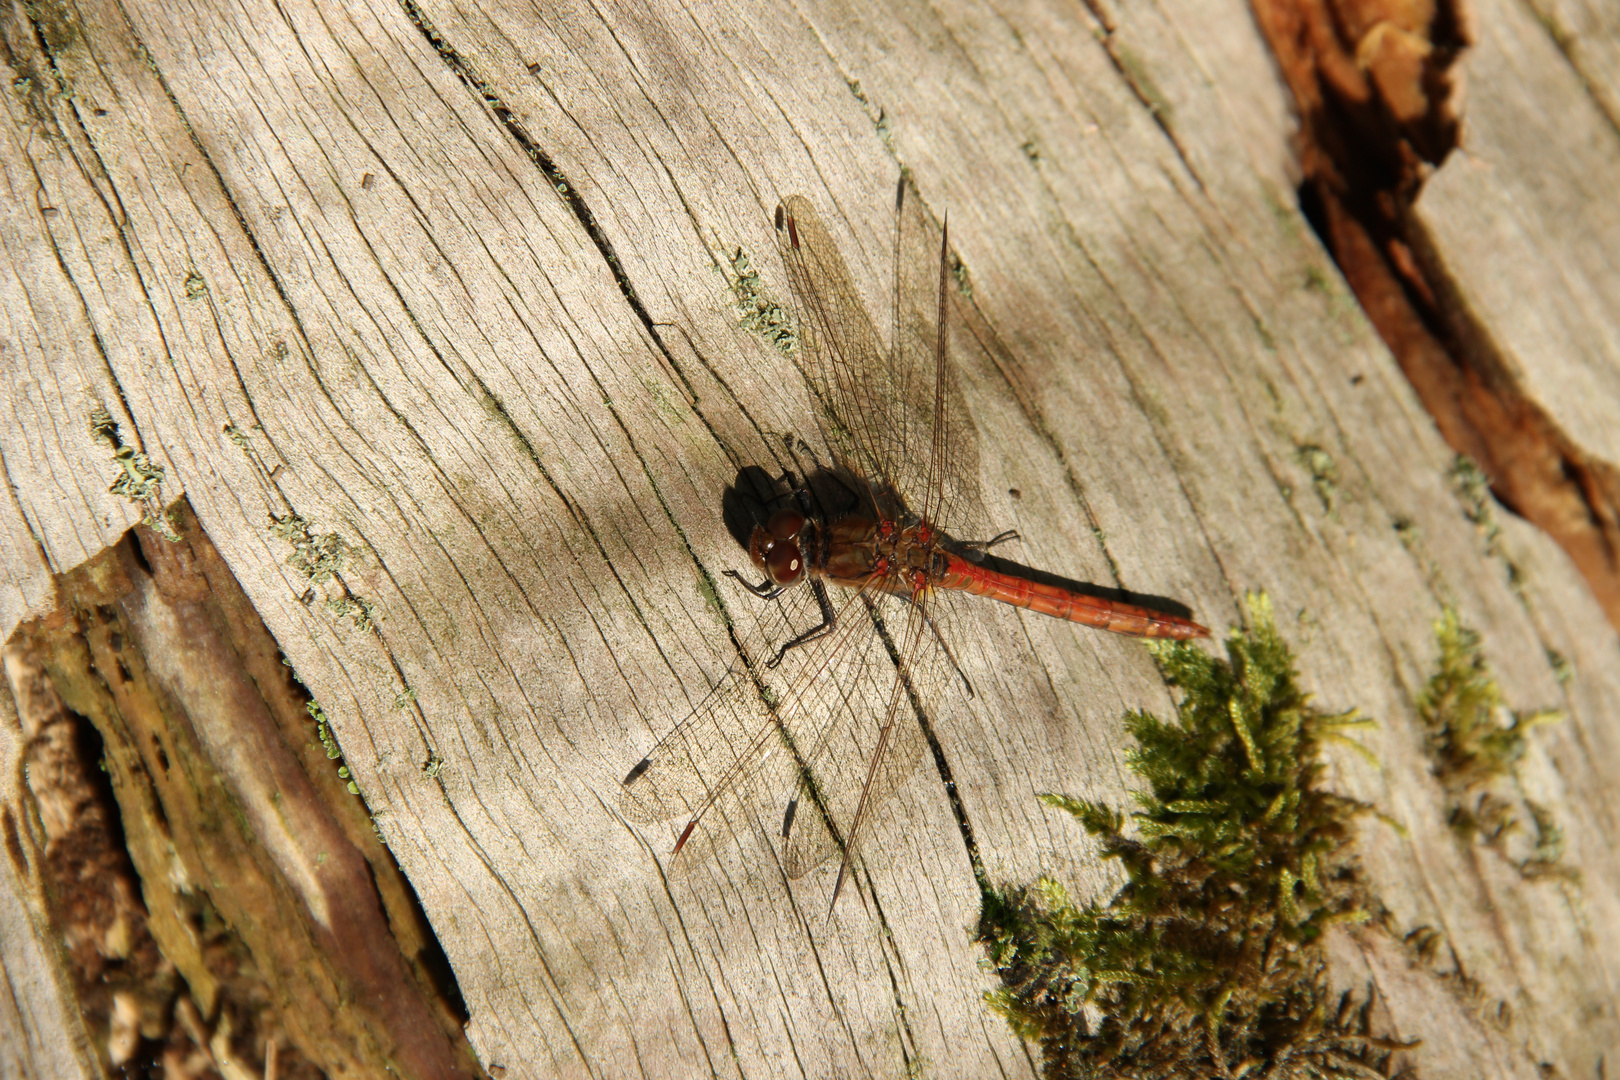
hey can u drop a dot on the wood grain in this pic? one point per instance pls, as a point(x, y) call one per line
point(375, 239)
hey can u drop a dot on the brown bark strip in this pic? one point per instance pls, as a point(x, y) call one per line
point(264, 885)
point(1378, 93)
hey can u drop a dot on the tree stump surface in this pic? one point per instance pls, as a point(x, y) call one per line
point(459, 286)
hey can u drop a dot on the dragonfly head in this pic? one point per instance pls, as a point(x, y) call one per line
point(774, 547)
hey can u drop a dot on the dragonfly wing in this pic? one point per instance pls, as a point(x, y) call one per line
point(730, 735)
point(865, 759)
point(898, 418)
point(841, 354)
point(747, 740)
point(818, 754)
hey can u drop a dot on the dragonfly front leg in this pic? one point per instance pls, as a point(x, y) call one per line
point(765, 590)
point(829, 619)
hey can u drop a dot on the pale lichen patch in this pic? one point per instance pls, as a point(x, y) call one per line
point(140, 479)
point(757, 312)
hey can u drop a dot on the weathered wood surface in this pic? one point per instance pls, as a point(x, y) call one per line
point(40, 1034)
point(1513, 230)
point(1523, 256)
point(341, 232)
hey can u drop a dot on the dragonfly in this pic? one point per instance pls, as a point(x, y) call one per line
point(829, 708)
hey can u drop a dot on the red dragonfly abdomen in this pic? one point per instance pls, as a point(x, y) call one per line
point(1061, 603)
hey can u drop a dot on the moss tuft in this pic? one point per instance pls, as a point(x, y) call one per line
point(1476, 741)
point(1208, 962)
point(1463, 711)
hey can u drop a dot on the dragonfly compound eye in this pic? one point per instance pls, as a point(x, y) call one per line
point(785, 524)
point(784, 565)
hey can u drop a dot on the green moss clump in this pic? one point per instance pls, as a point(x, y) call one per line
point(1208, 961)
point(1475, 741)
point(1463, 711)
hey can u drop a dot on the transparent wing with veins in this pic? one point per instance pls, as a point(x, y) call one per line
point(899, 426)
point(897, 422)
point(760, 733)
point(878, 754)
point(838, 725)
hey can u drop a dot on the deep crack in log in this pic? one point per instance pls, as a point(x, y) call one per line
point(1377, 88)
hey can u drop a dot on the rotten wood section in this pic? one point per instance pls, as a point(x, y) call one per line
point(439, 317)
point(235, 905)
point(1492, 277)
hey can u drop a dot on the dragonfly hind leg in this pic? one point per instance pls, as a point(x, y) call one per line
point(950, 654)
point(1003, 537)
point(975, 550)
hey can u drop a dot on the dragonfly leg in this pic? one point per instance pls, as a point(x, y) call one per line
point(852, 498)
point(829, 619)
point(974, 550)
point(796, 446)
point(950, 655)
point(986, 545)
point(789, 480)
point(765, 590)
point(796, 492)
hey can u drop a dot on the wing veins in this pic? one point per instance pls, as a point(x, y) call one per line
point(842, 339)
point(847, 625)
point(913, 636)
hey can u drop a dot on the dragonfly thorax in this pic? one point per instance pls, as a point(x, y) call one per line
point(857, 552)
point(849, 550)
